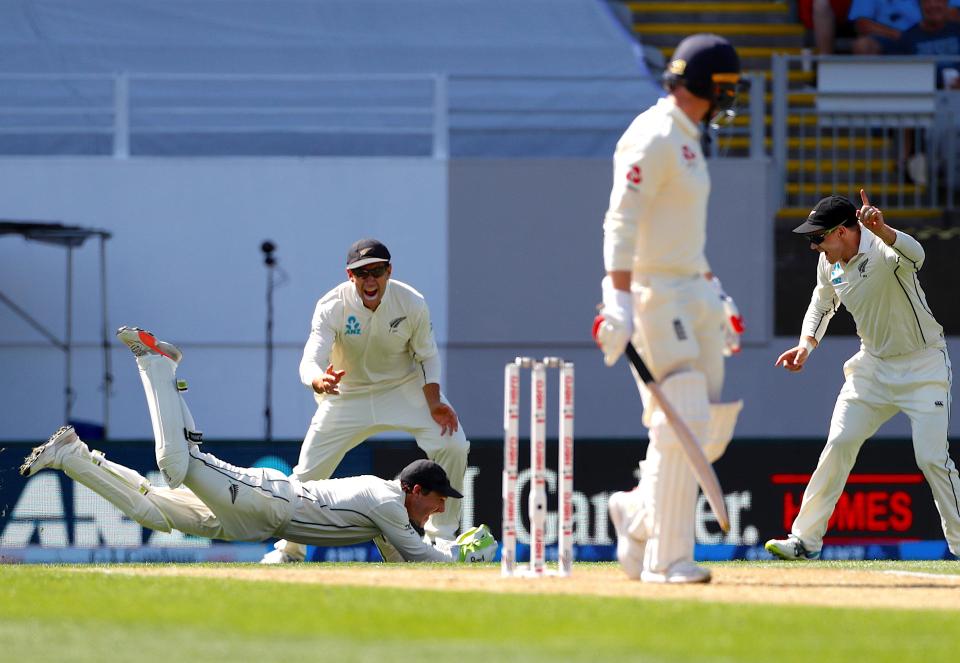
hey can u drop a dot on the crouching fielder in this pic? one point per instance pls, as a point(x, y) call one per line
point(902, 365)
point(659, 292)
point(213, 499)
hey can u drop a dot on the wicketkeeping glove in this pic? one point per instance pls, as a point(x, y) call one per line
point(476, 545)
point(613, 327)
point(734, 327)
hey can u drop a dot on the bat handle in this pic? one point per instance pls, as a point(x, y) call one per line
point(638, 363)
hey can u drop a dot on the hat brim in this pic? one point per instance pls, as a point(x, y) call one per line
point(450, 491)
point(808, 227)
point(365, 261)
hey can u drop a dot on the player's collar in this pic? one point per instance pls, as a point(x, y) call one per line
point(681, 118)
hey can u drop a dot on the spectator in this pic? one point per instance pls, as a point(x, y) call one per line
point(879, 20)
point(933, 35)
point(828, 20)
point(873, 19)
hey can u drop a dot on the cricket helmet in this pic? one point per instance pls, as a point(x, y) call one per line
point(709, 67)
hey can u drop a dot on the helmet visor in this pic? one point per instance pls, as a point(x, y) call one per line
point(726, 92)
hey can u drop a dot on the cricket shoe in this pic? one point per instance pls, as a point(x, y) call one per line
point(622, 508)
point(143, 343)
point(790, 548)
point(45, 455)
point(679, 573)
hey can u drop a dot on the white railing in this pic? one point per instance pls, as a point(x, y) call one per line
point(877, 123)
point(110, 112)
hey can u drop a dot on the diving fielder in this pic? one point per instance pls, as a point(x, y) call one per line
point(373, 364)
point(213, 499)
point(902, 365)
point(660, 292)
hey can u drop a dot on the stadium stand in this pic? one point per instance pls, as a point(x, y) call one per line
point(343, 77)
point(823, 151)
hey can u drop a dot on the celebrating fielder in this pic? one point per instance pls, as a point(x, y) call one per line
point(902, 365)
point(373, 364)
point(659, 292)
point(210, 498)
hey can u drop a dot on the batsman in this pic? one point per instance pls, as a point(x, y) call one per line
point(660, 294)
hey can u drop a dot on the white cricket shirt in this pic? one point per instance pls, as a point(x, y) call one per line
point(657, 219)
point(377, 349)
point(879, 287)
point(339, 512)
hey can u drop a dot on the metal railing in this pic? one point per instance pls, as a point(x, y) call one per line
point(111, 112)
point(901, 146)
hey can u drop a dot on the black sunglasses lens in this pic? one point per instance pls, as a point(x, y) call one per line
point(375, 272)
point(816, 239)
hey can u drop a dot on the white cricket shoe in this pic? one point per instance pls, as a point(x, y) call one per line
point(46, 454)
point(622, 506)
point(790, 548)
point(279, 557)
point(679, 572)
point(142, 343)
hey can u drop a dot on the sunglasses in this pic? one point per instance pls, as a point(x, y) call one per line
point(817, 238)
point(375, 272)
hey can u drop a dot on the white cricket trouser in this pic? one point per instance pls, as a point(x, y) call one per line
point(679, 323)
point(917, 384)
point(154, 507)
point(250, 504)
point(344, 421)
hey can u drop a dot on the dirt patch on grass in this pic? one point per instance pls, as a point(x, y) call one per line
point(794, 585)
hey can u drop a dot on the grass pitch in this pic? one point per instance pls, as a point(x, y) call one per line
point(245, 612)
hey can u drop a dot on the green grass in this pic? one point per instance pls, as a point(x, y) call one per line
point(50, 613)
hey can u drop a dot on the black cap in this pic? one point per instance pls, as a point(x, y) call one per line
point(696, 61)
point(830, 212)
point(366, 251)
point(430, 476)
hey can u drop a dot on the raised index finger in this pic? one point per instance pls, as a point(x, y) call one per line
point(864, 199)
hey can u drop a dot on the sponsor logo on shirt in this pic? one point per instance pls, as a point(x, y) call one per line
point(688, 154)
point(634, 176)
point(353, 326)
point(938, 403)
point(836, 274)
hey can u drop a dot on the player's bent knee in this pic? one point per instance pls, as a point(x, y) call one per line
point(843, 442)
point(929, 459)
point(460, 442)
point(151, 517)
point(174, 468)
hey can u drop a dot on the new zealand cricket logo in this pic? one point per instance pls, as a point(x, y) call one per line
point(863, 268)
point(234, 490)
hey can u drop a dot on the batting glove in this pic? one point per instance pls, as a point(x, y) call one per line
point(476, 545)
point(734, 321)
point(613, 328)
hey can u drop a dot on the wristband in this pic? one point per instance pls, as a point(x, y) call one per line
point(806, 345)
point(618, 300)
